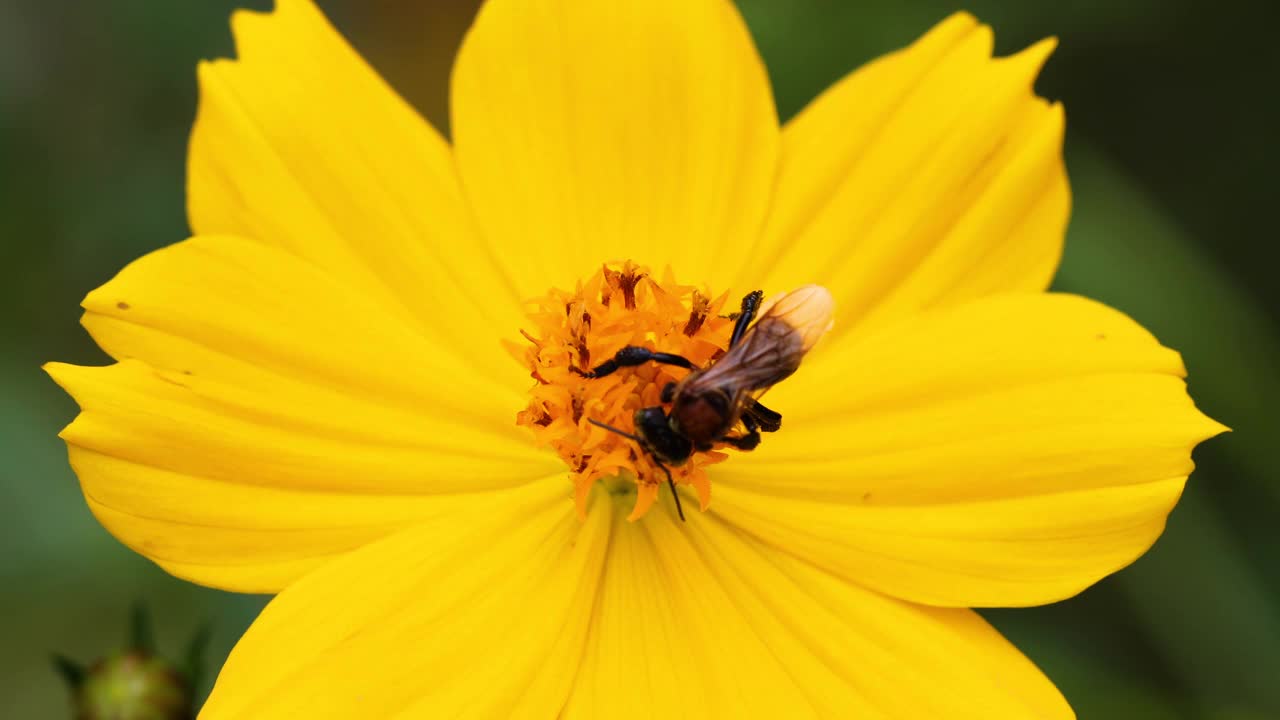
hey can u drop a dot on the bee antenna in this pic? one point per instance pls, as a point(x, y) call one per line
point(613, 429)
point(674, 494)
point(640, 441)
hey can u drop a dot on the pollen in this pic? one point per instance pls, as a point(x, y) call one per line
point(569, 333)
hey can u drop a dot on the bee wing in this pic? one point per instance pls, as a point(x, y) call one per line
point(809, 310)
point(772, 348)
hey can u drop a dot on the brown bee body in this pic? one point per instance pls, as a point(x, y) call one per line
point(704, 418)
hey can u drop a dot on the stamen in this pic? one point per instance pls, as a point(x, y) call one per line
point(617, 307)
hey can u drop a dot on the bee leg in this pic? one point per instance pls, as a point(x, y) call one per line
point(672, 483)
point(747, 442)
point(751, 439)
point(632, 355)
point(668, 392)
point(768, 420)
point(750, 304)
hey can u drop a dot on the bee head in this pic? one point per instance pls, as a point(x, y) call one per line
point(670, 446)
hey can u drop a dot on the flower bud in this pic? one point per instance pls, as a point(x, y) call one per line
point(135, 683)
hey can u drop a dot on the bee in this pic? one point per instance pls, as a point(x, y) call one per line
point(719, 403)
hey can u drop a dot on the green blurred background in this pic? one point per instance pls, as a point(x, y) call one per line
point(1171, 158)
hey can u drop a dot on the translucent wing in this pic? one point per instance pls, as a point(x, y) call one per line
point(789, 326)
point(808, 309)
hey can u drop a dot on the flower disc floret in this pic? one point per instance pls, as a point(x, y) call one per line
point(574, 331)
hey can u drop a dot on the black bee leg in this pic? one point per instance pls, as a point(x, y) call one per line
point(746, 443)
point(750, 440)
point(750, 304)
point(768, 420)
point(632, 355)
point(672, 484)
point(668, 392)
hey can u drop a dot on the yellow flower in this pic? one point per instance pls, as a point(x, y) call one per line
point(315, 395)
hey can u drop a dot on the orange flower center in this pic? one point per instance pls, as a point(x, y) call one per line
point(574, 332)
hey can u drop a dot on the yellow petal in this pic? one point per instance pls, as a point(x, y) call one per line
point(480, 616)
point(263, 416)
point(862, 654)
point(667, 639)
point(592, 130)
point(1010, 451)
point(699, 620)
point(298, 144)
point(931, 176)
